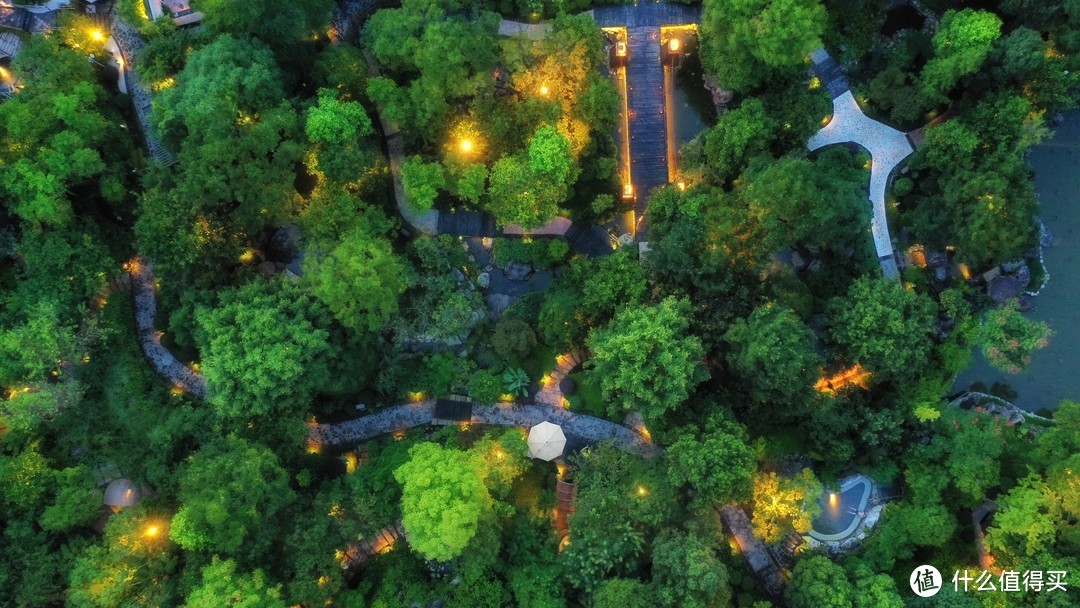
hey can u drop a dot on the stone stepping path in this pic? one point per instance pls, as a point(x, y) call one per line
point(402, 417)
point(164, 362)
point(550, 392)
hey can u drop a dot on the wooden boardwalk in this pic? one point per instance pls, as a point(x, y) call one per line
point(648, 124)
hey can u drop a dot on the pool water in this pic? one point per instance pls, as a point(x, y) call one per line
point(841, 511)
point(1053, 372)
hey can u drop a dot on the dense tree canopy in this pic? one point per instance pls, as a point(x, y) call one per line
point(230, 491)
point(883, 326)
point(443, 499)
point(263, 350)
point(646, 360)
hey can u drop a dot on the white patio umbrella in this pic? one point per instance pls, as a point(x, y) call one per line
point(546, 441)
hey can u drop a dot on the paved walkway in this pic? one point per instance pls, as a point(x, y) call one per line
point(164, 362)
point(550, 392)
point(130, 43)
point(887, 147)
point(401, 417)
point(647, 123)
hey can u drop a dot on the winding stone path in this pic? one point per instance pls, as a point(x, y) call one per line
point(887, 148)
point(164, 362)
point(130, 43)
point(401, 417)
point(550, 392)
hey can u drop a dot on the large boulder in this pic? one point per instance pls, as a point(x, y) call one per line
point(518, 271)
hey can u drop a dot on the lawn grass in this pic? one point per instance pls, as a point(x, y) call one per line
point(588, 399)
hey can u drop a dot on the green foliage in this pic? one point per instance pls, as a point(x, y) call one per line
point(266, 20)
point(884, 327)
point(264, 350)
point(738, 136)
point(77, 501)
point(783, 504)
point(513, 340)
point(963, 40)
point(620, 499)
point(799, 201)
point(773, 350)
point(131, 568)
point(442, 501)
point(1025, 525)
point(237, 139)
point(718, 465)
point(230, 491)
point(58, 135)
point(687, 571)
point(1008, 338)
point(515, 381)
point(816, 582)
point(485, 387)
point(622, 593)
point(339, 129)
point(519, 196)
point(741, 37)
point(541, 253)
point(646, 359)
point(222, 585)
point(422, 182)
point(360, 280)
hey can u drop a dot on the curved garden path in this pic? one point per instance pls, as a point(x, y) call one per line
point(401, 417)
point(161, 359)
point(887, 148)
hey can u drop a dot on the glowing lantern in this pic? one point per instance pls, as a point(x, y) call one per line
point(673, 45)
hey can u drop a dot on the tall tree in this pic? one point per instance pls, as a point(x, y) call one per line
point(222, 585)
point(688, 572)
point(1008, 338)
point(264, 350)
point(883, 326)
point(719, 465)
point(230, 492)
point(782, 504)
point(360, 280)
point(773, 350)
point(442, 501)
point(737, 34)
point(646, 359)
point(963, 40)
point(238, 141)
point(816, 582)
point(278, 24)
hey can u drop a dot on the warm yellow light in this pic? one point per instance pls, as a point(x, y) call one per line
point(544, 90)
point(628, 191)
point(152, 531)
point(681, 186)
point(96, 35)
point(673, 45)
point(832, 499)
point(641, 491)
point(466, 145)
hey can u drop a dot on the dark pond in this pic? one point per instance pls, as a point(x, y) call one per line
point(1054, 372)
point(694, 110)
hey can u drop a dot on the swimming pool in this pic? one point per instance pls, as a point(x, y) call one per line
point(843, 511)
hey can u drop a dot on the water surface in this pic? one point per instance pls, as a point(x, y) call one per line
point(1054, 373)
